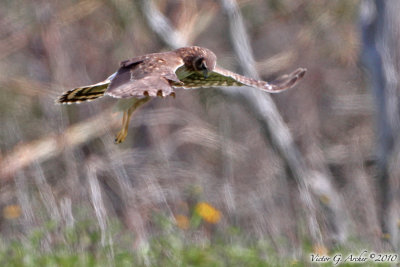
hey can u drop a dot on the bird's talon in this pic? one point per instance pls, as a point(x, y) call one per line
point(121, 137)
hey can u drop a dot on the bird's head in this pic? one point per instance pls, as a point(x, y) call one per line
point(199, 59)
point(200, 64)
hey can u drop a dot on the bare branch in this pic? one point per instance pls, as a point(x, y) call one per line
point(50, 146)
point(380, 36)
point(240, 40)
point(275, 129)
point(160, 25)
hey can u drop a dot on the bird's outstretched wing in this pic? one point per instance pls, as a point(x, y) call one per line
point(222, 77)
point(150, 75)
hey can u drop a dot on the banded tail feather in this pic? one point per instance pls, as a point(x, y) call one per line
point(85, 93)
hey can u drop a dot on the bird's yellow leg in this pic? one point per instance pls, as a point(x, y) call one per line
point(127, 117)
point(124, 131)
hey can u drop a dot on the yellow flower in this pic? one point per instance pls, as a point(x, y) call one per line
point(182, 221)
point(386, 236)
point(208, 212)
point(320, 249)
point(325, 199)
point(11, 212)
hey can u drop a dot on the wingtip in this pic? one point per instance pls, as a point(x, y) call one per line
point(297, 75)
point(288, 81)
point(302, 72)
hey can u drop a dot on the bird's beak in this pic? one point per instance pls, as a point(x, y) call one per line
point(205, 73)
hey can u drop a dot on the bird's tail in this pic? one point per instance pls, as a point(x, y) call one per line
point(85, 93)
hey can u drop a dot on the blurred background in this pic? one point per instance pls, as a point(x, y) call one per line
point(231, 177)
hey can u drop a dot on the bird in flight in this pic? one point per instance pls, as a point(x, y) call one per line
point(142, 78)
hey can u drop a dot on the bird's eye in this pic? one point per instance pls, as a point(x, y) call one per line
point(199, 64)
point(203, 65)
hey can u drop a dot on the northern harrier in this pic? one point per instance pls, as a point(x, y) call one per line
point(145, 77)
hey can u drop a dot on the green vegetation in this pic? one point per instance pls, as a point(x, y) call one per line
point(81, 246)
point(202, 244)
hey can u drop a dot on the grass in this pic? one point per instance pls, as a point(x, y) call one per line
point(199, 244)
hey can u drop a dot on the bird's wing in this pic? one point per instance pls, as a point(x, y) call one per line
point(150, 75)
point(222, 77)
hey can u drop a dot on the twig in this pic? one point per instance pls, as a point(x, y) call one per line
point(275, 129)
point(161, 26)
point(380, 26)
point(50, 146)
